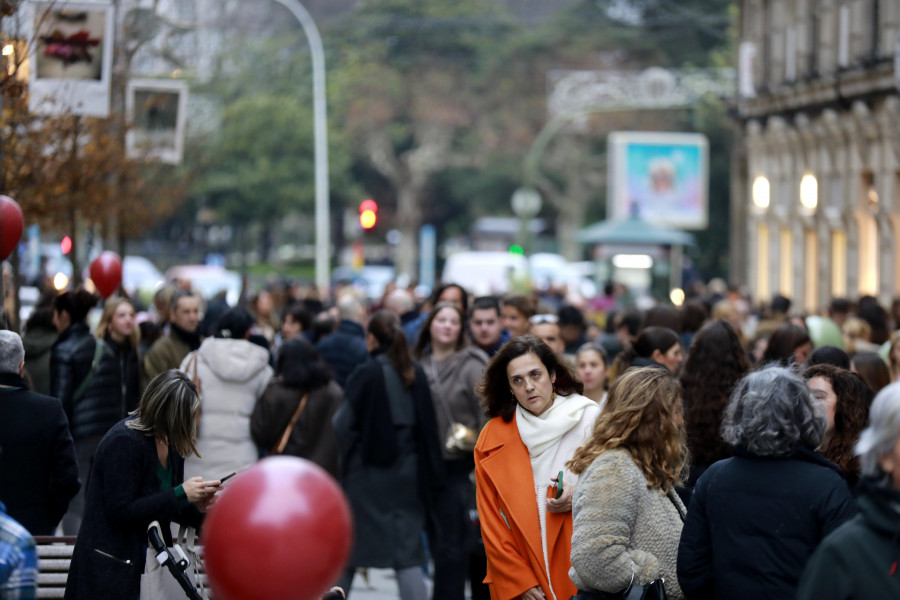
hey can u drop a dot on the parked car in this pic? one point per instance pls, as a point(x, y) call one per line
point(369, 279)
point(483, 273)
point(208, 281)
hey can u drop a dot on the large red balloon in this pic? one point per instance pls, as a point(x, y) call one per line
point(106, 273)
point(11, 225)
point(281, 529)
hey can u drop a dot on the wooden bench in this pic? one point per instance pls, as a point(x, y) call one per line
point(54, 557)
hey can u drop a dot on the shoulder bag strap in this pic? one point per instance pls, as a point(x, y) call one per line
point(282, 442)
point(192, 370)
point(83, 386)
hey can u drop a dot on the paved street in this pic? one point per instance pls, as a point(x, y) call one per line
point(382, 585)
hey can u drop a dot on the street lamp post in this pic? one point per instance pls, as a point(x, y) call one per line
point(323, 215)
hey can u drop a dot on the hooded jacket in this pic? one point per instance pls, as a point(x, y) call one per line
point(860, 559)
point(231, 375)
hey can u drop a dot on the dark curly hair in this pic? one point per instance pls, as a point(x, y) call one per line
point(717, 361)
point(493, 389)
point(851, 414)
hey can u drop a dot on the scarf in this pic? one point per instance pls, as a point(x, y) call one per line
point(191, 339)
point(541, 433)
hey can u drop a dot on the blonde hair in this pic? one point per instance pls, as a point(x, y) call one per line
point(167, 411)
point(640, 418)
point(108, 311)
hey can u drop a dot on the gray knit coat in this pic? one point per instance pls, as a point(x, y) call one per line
point(620, 527)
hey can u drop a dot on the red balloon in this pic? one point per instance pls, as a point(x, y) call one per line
point(281, 529)
point(106, 273)
point(11, 225)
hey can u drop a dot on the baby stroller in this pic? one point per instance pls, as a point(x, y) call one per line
point(174, 559)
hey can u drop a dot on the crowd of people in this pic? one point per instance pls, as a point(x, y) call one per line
point(519, 446)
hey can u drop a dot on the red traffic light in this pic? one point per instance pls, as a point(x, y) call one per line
point(368, 205)
point(65, 245)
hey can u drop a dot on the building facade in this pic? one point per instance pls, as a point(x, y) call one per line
point(816, 167)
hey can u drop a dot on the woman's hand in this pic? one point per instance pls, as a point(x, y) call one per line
point(200, 492)
point(535, 593)
point(563, 503)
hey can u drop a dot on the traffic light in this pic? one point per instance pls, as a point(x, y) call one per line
point(368, 214)
point(65, 246)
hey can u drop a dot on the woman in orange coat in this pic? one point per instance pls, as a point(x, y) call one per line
point(538, 419)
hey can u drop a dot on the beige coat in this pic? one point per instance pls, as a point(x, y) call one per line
point(620, 527)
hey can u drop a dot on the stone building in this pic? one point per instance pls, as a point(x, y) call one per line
point(816, 166)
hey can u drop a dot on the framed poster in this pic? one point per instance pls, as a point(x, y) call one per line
point(664, 177)
point(156, 112)
point(71, 57)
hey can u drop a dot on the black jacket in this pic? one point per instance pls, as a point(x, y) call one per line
point(344, 350)
point(860, 559)
point(129, 371)
point(70, 362)
point(754, 521)
point(38, 475)
point(122, 499)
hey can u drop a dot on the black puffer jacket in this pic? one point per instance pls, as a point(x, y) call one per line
point(101, 405)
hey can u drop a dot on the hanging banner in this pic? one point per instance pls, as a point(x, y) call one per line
point(70, 56)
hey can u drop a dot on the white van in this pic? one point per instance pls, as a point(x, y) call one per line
point(484, 273)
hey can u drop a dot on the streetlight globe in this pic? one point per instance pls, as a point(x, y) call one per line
point(809, 191)
point(760, 192)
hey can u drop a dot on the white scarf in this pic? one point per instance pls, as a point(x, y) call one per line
point(541, 433)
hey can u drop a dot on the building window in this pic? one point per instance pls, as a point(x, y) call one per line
point(762, 263)
point(812, 66)
point(843, 36)
point(811, 271)
point(838, 264)
point(786, 263)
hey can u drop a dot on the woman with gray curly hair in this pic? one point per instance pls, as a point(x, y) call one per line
point(756, 518)
point(859, 560)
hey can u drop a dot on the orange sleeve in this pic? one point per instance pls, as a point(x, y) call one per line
point(509, 572)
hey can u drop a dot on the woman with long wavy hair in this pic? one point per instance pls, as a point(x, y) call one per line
point(626, 515)
point(845, 398)
point(715, 364)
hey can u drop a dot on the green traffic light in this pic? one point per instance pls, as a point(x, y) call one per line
point(516, 249)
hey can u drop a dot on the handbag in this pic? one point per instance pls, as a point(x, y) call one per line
point(459, 436)
point(655, 590)
point(157, 583)
point(278, 448)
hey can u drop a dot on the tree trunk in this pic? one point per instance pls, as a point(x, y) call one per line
point(409, 221)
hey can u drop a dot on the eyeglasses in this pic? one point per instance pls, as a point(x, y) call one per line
point(541, 319)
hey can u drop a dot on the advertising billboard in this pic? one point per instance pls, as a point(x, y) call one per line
point(71, 57)
point(663, 177)
point(156, 111)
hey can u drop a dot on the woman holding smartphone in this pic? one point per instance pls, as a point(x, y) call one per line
point(538, 419)
point(135, 481)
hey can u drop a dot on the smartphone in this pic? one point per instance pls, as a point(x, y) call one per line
point(559, 485)
point(227, 477)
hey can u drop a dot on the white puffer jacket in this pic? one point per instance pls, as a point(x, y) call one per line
point(232, 375)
